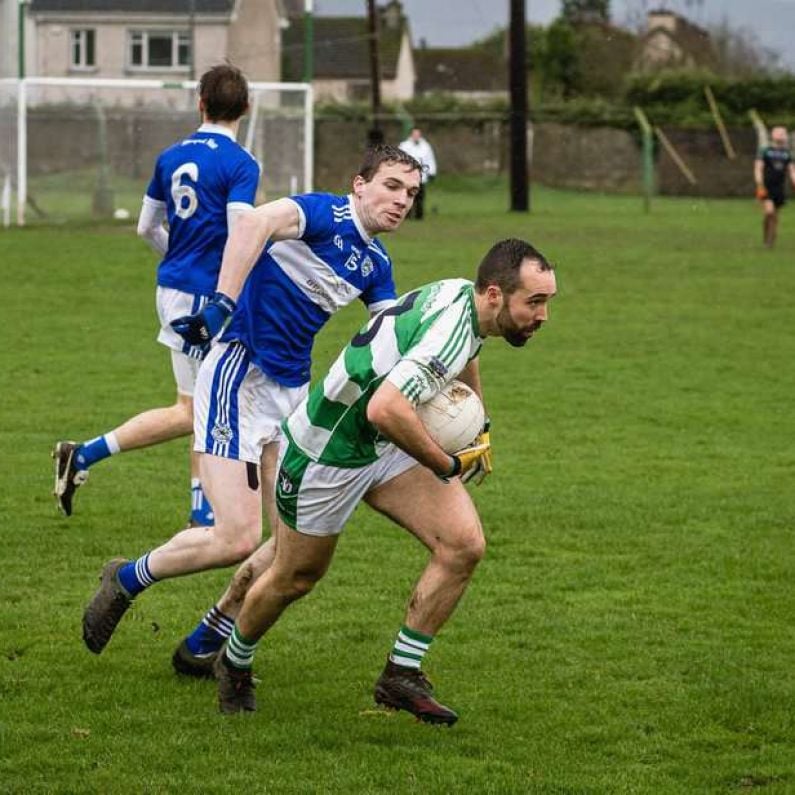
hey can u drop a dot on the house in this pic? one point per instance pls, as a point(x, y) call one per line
point(341, 55)
point(467, 73)
point(670, 40)
point(8, 38)
point(161, 39)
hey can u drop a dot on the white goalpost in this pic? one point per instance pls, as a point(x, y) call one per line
point(73, 148)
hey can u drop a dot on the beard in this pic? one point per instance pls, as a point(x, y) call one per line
point(511, 333)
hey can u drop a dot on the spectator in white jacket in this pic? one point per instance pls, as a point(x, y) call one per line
point(421, 150)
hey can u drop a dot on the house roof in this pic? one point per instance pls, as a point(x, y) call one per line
point(679, 20)
point(341, 48)
point(459, 69)
point(692, 43)
point(138, 6)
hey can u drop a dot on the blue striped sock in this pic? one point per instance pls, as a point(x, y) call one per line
point(135, 576)
point(95, 450)
point(211, 632)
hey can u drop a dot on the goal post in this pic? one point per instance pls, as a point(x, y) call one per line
point(80, 148)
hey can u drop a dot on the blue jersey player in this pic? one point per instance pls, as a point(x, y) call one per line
point(200, 186)
point(288, 266)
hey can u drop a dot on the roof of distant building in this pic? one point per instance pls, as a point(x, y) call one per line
point(459, 69)
point(341, 48)
point(680, 20)
point(692, 41)
point(138, 6)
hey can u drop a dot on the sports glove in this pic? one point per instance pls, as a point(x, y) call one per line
point(200, 328)
point(761, 192)
point(464, 460)
point(483, 465)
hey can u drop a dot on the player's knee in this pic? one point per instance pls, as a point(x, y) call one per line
point(464, 551)
point(246, 545)
point(294, 585)
point(237, 542)
point(302, 584)
point(183, 412)
point(474, 549)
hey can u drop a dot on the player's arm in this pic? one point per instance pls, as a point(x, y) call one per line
point(430, 161)
point(396, 419)
point(792, 174)
point(150, 224)
point(470, 375)
point(277, 220)
point(233, 211)
point(416, 378)
point(242, 190)
point(759, 177)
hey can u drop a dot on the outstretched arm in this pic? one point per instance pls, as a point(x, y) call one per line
point(276, 220)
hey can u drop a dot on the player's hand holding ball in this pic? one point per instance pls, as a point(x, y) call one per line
point(200, 328)
point(761, 192)
point(483, 465)
point(466, 461)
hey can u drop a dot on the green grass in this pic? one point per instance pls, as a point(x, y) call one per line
point(631, 629)
point(68, 196)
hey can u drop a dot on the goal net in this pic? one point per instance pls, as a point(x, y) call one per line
point(76, 149)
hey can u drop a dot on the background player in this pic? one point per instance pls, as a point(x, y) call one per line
point(200, 185)
point(320, 254)
point(771, 168)
point(337, 452)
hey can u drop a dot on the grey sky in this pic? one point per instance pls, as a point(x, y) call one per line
point(455, 22)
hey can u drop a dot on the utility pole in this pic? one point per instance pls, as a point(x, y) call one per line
point(21, 38)
point(309, 41)
point(192, 39)
point(517, 70)
point(374, 135)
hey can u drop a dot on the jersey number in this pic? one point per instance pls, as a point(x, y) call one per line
point(184, 196)
point(366, 337)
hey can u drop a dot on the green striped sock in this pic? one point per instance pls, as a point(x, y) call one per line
point(240, 650)
point(410, 647)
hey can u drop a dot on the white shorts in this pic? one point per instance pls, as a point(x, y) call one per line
point(185, 359)
point(237, 409)
point(172, 304)
point(317, 499)
point(185, 370)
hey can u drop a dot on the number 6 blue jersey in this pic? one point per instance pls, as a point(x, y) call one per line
point(196, 180)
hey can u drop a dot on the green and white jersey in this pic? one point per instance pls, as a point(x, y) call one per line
point(419, 344)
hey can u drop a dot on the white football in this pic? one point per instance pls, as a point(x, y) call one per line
point(453, 417)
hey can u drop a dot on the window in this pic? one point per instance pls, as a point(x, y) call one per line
point(159, 49)
point(82, 48)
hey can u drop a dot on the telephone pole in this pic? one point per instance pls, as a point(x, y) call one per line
point(192, 38)
point(517, 71)
point(374, 135)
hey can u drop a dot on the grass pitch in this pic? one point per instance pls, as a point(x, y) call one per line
point(631, 628)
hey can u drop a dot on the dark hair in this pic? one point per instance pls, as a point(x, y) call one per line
point(501, 264)
point(224, 92)
point(386, 153)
